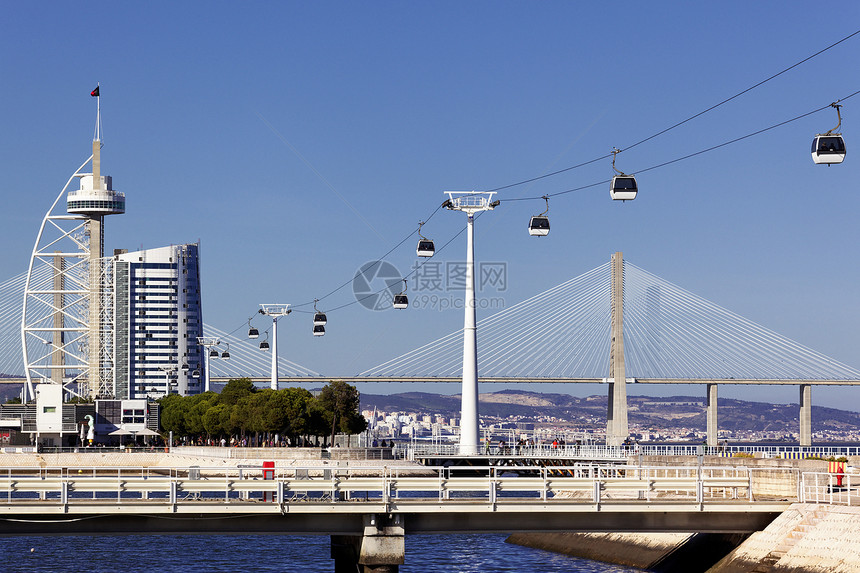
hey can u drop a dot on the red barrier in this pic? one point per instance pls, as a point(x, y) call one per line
point(268, 474)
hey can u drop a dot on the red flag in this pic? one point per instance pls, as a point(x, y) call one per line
point(95, 92)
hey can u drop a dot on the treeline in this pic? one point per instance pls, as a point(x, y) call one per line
point(242, 410)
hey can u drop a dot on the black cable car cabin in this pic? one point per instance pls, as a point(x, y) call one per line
point(401, 301)
point(319, 330)
point(320, 319)
point(264, 345)
point(828, 148)
point(623, 188)
point(426, 248)
point(253, 332)
point(539, 226)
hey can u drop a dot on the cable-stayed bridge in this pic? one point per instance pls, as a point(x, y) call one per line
point(670, 336)
point(614, 318)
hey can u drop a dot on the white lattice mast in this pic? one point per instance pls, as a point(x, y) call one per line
point(66, 320)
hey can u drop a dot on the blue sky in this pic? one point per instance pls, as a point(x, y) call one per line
point(297, 141)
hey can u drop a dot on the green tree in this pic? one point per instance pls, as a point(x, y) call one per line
point(196, 408)
point(173, 414)
point(236, 389)
point(342, 403)
point(296, 403)
point(213, 420)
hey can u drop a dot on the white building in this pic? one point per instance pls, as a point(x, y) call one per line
point(158, 317)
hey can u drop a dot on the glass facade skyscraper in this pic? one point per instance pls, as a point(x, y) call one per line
point(158, 318)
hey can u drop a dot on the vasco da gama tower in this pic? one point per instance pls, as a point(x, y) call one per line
point(71, 314)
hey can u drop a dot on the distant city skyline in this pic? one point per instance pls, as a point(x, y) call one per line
point(295, 143)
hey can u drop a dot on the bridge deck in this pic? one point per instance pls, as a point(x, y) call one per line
point(333, 500)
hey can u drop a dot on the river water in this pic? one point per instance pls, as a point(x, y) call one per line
point(272, 553)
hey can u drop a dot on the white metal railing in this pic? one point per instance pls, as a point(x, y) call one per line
point(559, 485)
point(298, 454)
point(832, 488)
point(598, 451)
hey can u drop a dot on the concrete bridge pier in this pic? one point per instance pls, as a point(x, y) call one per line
point(711, 402)
point(616, 412)
point(380, 549)
point(806, 414)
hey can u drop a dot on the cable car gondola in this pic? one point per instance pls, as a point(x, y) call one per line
point(319, 330)
point(400, 299)
point(264, 346)
point(829, 148)
point(226, 354)
point(319, 317)
point(252, 332)
point(425, 248)
point(213, 353)
point(623, 187)
point(539, 224)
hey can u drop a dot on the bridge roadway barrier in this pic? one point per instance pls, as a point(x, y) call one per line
point(770, 477)
point(436, 495)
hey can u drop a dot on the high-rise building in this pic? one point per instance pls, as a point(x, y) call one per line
point(157, 320)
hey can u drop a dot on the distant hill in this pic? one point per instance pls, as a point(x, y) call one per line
point(643, 411)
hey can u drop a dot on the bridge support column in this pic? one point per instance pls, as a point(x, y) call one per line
point(381, 548)
point(616, 413)
point(712, 434)
point(806, 414)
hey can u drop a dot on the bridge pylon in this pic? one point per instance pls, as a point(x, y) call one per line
point(616, 412)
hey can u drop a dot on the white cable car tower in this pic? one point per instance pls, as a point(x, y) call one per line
point(276, 311)
point(66, 320)
point(470, 203)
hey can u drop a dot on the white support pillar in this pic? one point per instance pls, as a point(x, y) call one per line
point(273, 383)
point(806, 415)
point(206, 387)
point(469, 404)
point(616, 413)
point(712, 429)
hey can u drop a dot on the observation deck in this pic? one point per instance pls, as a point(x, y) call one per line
point(96, 202)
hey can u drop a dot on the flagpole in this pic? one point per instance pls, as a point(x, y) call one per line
point(98, 113)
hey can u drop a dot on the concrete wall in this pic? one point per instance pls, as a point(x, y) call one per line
point(630, 549)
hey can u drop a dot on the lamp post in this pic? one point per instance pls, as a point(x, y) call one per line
point(207, 344)
point(470, 203)
point(276, 311)
point(168, 370)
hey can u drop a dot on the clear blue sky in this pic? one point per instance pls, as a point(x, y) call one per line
point(298, 140)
